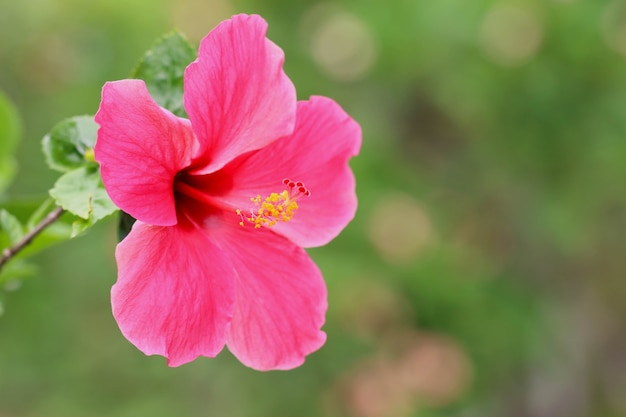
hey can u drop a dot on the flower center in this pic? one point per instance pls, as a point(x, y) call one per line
point(277, 207)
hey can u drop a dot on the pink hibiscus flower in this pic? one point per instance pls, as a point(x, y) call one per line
point(225, 202)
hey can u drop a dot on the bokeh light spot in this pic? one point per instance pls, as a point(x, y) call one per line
point(614, 26)
point(343, 46)
point(425, 369)
point(510, 35)
point(195, 17)
point(435, 368)
point(399, 228)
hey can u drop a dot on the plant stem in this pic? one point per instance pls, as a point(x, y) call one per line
point(8, 253)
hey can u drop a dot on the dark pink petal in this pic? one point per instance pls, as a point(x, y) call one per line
point(237, 95)
point(317, 154)
point(174, 294)
point(140, 149)
point(280, 300)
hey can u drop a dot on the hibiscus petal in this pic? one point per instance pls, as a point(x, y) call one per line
point(237, 95)
point(140, 149)
point(317, 154)
point(174, 294)
point(280, 300)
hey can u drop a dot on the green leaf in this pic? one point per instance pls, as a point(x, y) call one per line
point(38, 213)
point(10, 127)
point(81, 193)
point(8, 167)
point(11, 230)
point(10, 131)
point(16, 270)
point(163, 70)
point(80, 225)
point(70, 143)
point(57, 232)
point(30, 213)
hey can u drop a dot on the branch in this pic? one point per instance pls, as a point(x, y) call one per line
point(8, 253)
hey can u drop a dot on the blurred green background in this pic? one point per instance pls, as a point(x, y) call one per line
point(485, 272)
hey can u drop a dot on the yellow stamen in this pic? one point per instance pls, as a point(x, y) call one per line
point(277, 207)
